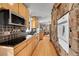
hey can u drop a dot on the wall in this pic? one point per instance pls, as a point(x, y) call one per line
point(60, 10)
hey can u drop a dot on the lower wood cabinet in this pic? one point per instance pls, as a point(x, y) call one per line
point(12, 50)
point(6, 51)
point(22, 52)
point(41, 35)
point(24, 48)
point(29, 48)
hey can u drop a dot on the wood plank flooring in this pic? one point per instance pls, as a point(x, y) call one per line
point(45, 48)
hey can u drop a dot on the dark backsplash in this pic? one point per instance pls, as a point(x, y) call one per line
point(10, 32)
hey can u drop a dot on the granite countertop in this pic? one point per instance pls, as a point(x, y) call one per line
point(14, 42)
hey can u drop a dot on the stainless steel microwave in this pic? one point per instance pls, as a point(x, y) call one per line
point(7, 17)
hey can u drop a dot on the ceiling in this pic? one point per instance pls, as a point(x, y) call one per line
point(41, 10)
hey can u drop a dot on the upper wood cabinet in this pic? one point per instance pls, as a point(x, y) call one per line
point(5, 5)
point(34, 22)
point(18, 8)
point(14, 7)
point(23, 10)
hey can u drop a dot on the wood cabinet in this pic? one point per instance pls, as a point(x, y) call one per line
point(29, 48)
point(6, 51)
point(13, 7)
point(19, 47)
point(25, 48)
point(23, 10)
point(34, 22)
point(18, 8)
point(41, 35)
point(22, 52)
point(5, 5)
point(12, 50)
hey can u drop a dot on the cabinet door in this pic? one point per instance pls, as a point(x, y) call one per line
point(23, 10)
point(19, 47)
point(0, 5)
point(5, 5)
point(14, 7)
point(6, 51)
point(22, 52)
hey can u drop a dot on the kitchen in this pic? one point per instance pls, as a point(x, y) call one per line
point(17, 31)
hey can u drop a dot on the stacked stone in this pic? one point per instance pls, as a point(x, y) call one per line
point(58, 11)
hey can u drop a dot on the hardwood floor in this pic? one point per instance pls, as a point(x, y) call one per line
point(45, 48)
